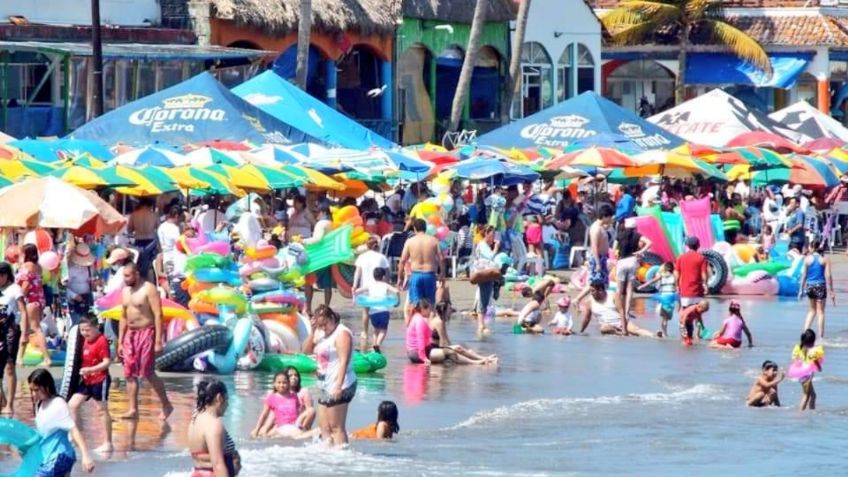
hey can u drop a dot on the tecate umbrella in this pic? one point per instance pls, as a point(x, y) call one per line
point(49, 202)
point(41, 151)
point(151, 156)
point(766, 140)
point(493, 172)
point(594, 157)
point(79, 147)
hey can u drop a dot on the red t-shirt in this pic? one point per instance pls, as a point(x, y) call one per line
point(93, 353)
point(690, 267)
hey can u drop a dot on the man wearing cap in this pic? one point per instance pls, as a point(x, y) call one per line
point(79, 281)
point(692, 274)
point(366, 263)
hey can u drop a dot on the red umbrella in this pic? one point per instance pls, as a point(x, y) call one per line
point(599, 157)
point(436, 157)
point(766, 140)
point(824, 144)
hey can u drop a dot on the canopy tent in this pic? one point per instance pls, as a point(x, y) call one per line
point(715, 118)
point(578, 119)
point(291, 105)
point(805, 119)
point(196, 110)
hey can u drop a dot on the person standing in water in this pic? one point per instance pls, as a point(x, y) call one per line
point(421, 253)
point(140, 338)
point(213, 451)
point(816, 280)
point(599, 247)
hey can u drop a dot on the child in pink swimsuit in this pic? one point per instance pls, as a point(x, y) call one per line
point(284, 405)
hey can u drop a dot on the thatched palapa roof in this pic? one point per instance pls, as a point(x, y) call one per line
point(458, 11)
point(280, 17)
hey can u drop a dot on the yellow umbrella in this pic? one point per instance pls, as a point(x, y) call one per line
point(664, 163)
point(16, 169)
point(146, 184)
point(315, 180)
point(82, 177)
point(739, 171)
point(240, 177)
point(211, 182)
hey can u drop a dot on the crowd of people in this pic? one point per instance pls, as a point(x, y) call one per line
point(532, 224)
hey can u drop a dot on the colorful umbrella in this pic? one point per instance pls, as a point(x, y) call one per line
point(271, 155)
point(239, 178)
point(145, 182)
point(276, 178)
point(87, 178)
point(824, 144)
point(79, 147)
point(151, 156)
point(87, 161)
point(13, 153)
point(435, 157)
point(207, 156)
point(314, 180)
point(594, 157)
point(757, 157)
point(829, 175)
point(41, 151)
point(52, 203)
point(16, 169)
point(226, 145)
point(766, 140)
point(215, 184)
point(4, 138)
point(371, 164)
point(672, 164)
point(494, 172)
point(838, 158)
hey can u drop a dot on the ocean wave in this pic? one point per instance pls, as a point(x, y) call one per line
point(545, 407)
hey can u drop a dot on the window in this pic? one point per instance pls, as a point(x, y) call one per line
point(536, 79)
point(585, 69)
point(565, 70)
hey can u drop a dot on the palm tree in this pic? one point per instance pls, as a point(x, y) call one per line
point(513, 78)
point(304, 29)
point(471, 52)
point(636, 21)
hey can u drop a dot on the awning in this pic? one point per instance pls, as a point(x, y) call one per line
point(722, 69)
point(135, 51)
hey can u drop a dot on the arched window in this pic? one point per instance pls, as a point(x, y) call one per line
point(585, 69)
point(536, 79)
point(486, 85)
point(575, 71)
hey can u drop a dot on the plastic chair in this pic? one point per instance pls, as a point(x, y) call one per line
point(579, 250)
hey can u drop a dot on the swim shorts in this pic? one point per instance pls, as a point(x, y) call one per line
point(61, 465)
point(598, 272)
point(728, 342)
point(138, 353)
point(347, 396)
point(422, 285)
point(97, 391)
point(321, 279)
point(380, 320)
point(817, 291)
point(625, 270)
point(10, 340)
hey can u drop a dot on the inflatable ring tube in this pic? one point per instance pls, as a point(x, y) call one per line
point(800, 370)
point(255, 350)
point(287, 319)
point(175, 328)
point(209, 337)
point(280, 296)
point(218, 247)
point(73, 362)
point(667, 301)
point(225, 363)
point(265, 308)
point(201, 307)
point(287, 336)
point(267, 265)
point(278, 362)
point(745, 252)
point(260, 252)
point(378, 361)
point(343, 278)
point(717, 271)
point(217, 275)
point(651, 260)
point(34, 357)
point(304, 327)
point(333, 248)
point(197, 287)
point(224, 296)
point(387, 301)
point(206, 260)
point(26, 440)
point(772, 268)
point(263, 285)
point(170, 310)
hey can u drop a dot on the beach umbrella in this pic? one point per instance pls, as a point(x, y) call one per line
point(276, 178)
point(594, 157)
point(145, 183)
point(8, 152)
point(370, 165)
point(151, 156)
point(757, 157)
point(87, 161)
point(768, 140)
point(271, 154)
point(837, 158)
point(314, 180)
point(608, 140)
point(79, 147)
point(672, 164)
point(16, 169)
point(498, 173)
point(226, 145)
point(411, 168)
point(160, 177)
point(41, 151)
point(305, 150)
point(239, 177)
point(207, 156)
point(824, 144)
point(829, 175)
point(427, 146)
point(50, 202)
point(88, 178)
point(435, 157)
point(210, 182)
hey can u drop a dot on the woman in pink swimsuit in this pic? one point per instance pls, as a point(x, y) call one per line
point(29, 279)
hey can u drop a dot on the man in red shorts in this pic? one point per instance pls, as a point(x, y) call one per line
point(140, 338)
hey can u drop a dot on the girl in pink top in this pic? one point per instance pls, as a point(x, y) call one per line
point(730, 334)
point(419, 334)
point(284, 404)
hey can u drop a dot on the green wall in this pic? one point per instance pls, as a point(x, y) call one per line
point(415, 31)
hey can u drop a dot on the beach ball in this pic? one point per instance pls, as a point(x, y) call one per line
point(442, 232)
point(13, 254)
point(40, 238)
point(49, 260)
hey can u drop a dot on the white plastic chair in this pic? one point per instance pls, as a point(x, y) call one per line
point(581, 250)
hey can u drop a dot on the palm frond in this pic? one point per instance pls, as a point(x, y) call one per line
point(632, 34)
point(700, 9)
point(637, 12)
point(739, 43)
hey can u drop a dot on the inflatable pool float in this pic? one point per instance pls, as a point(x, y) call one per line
point(73, 362)
point(697, 220)
point(287, 339)
point(772, 268)
point(388, 301)
point(217, 275)
point(255, 351)
point(674, 226)
point(109, 307)
point(177, 327)
point(34, 357)
point(756, 282)
point(278, 362)
point(188, 345)
point(258, 285)
point(803, 368)
point(28, 443)
point(718, 270)
point(222, 295)
point(649, 227)
point(225, 363)
point(333, 248)
point(207, 260)
point(343, 278)
point(280, 296)
point(261, 251)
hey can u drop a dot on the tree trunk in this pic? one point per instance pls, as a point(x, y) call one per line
point(304, 28)
point(471, 52)
point(680, 92)
point(513, 80)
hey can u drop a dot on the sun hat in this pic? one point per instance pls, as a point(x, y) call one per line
point(82, 256)
point(117, 255)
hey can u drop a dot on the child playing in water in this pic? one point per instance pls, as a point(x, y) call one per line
point(730, 334)
point(689, 316)
point(764, 391)
point(530, 317)
point(284, 405)
point(667, 296)
point(807, 356)
point(561, 322)
point(422, 349)
point(385, 427)
point(94, 377)
point(378, 315)
point(768, 240)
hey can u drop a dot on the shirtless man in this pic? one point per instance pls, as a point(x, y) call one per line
point(421, 252)
point(599, 247)
point(764, 391)
point(140, 338)
point(610, 313)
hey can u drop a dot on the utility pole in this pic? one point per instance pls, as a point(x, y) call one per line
point(97, 60)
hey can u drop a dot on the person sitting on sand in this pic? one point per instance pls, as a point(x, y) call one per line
point(730, 334)
point(764, 391)
point(607, 308)
point(437, 339)
point(420, 347)
point(385, 427)
point(280, 412)
point(305, 407)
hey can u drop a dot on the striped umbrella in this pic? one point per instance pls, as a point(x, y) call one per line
point(207, 156)
point(594, 157)
point(17, 169)
point(239, 177)
point(79, 147)
point(146, 183)
point(276, 178)
point(757, 158)
point(151, 156)
point(314, 180)
point(838, 158)
point(13, 153)
point(271, 154)
point(213, 183)
point(41, 151)
point(87, 161)
point(88, 178)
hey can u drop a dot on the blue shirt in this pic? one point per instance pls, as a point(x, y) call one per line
point(797, 218)
point(624, 208)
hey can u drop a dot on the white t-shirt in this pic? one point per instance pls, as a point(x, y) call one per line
point(378, 290)
point(367, 263)
point(168, 234)
point(562, 320)
point(650, 196)
point(9, 302)
point(249, 229)
point(53, 415)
